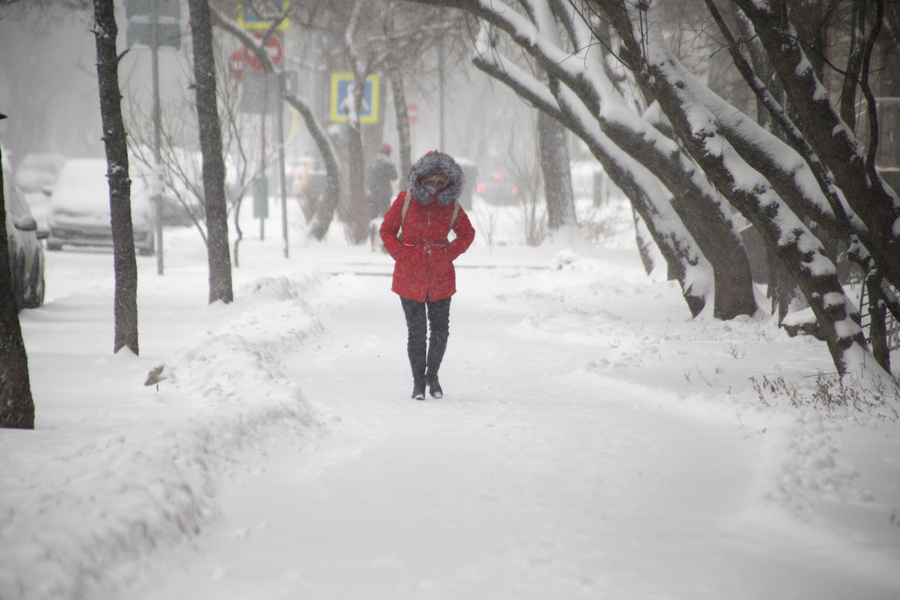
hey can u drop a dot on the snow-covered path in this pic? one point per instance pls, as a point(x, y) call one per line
point(523, 482)
point(594, 442)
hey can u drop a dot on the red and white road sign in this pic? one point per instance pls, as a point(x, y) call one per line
point(413, 111)
point(273, 47)
point(236, 64)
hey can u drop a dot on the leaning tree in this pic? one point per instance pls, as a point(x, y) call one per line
point(684, 214)
point(718, 159)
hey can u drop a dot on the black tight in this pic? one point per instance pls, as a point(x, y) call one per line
point(417, 326)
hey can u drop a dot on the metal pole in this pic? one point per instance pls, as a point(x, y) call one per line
point(443, 147)
point(279, 117)
point(157, 171)
point(263, 182)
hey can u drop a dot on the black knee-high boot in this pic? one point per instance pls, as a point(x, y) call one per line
point(417, 330)
point(439, 321)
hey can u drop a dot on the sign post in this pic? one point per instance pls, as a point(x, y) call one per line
point(155, 23)
point(262, 98)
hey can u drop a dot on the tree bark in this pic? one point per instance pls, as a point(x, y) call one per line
point(358, 213)
point(854, 64)
point(356, 168)
point(557, 172)
point(328, 202)
point(402, 115)
point(219, 257)
point(878, 321)
point(16, 402)
point(114, 139)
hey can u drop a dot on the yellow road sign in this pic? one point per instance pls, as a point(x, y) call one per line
point(247, 19)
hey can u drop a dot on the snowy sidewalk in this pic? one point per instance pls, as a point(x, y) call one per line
point(523, 482)
point(594, 442)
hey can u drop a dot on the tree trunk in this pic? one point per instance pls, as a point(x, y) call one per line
point(685, 262)
point(557, 172)
point(680, 251)
point(680, 97)
point(356, 168)
point(114, 139)
point(830, 137)
point(16, 402)
point(878, 321)
point(405, 150)
point(579, 92)
point(326, 205)
point(644, 242)
point(781, 288)
point(219, 257)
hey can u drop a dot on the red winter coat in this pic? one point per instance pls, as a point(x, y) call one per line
point(424, 259)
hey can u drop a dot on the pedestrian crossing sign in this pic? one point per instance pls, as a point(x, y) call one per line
point(342, 88)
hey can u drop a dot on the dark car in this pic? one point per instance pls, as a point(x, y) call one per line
point(499, 190)
point(26, 254)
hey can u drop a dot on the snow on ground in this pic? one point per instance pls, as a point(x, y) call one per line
point(594, 442)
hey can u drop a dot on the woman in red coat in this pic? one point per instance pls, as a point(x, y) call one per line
point(415, 233)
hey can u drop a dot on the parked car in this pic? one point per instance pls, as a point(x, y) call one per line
point(499, 190)
point(34, 176)
point(37, 172)
point(26, 254)
point(79, 208)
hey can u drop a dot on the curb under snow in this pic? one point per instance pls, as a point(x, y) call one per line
point(100, 506)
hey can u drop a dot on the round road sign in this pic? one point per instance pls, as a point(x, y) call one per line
point(236, 64)
point(273, 47)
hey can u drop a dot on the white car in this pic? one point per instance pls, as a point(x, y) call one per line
point(26, 254)
point(34, 176)
point(79, 208)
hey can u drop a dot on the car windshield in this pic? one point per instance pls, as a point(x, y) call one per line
point(82, 186)
point(38, 170)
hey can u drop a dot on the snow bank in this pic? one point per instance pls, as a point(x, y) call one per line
point(106, 501)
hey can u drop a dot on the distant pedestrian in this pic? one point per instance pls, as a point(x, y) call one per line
point(415, 232)
point(381, 176)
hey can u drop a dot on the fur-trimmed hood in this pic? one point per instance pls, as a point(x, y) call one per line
point(436, 161)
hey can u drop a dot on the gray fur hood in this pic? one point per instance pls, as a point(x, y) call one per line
point(436, 161)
